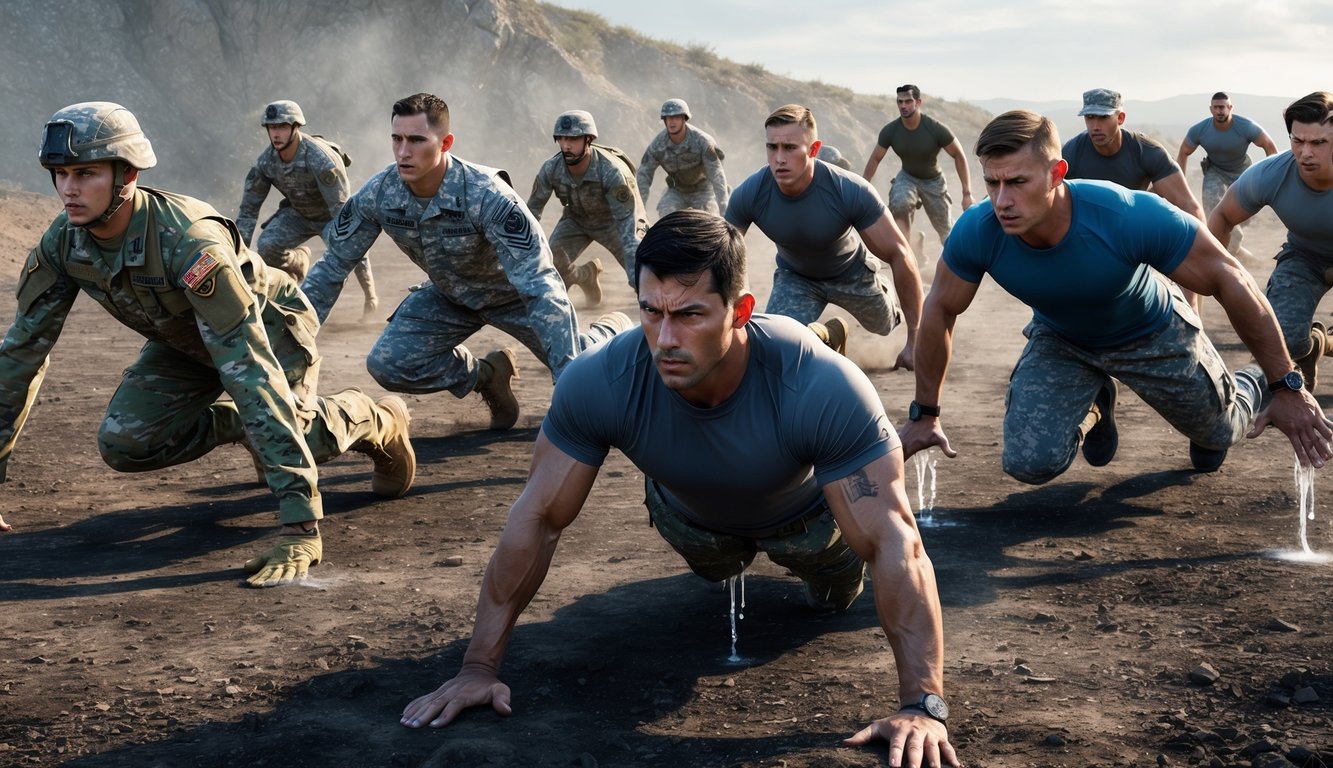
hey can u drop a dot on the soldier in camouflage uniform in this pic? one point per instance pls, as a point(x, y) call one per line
point(218, 321)
point(1081, 254)
point(311, 173)
point(692, 161)
point(486, 258)
point(595, 183)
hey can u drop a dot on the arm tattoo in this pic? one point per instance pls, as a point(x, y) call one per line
point(859, 486)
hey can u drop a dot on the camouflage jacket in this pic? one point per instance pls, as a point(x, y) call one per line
point(689, 165)
point(177, 279)
point(314, 183)
point(475, 240)
point(603, 197)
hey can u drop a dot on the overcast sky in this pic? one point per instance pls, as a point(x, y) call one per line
point(1041, 50)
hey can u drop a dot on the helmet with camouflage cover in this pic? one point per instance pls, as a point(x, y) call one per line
point(575, 122)
point(282, 112)
point(832, 156)
point(92, 131)
point(672, 107)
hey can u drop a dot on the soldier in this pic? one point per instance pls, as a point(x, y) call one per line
point(1226, 138)
point(311, 173)
point(217, 320)
point(692, 161)
point(484, 254)
point(596, 185)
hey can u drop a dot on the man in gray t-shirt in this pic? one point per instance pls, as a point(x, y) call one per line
point(1227, 139)
point(1298, 186)
point(818, 487)
point(809, 208)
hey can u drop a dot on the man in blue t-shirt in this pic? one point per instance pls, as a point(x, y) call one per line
point(751, 436)
point(1298, 186)
point(1078, 254)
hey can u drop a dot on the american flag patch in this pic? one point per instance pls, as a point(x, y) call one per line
point(199, 270)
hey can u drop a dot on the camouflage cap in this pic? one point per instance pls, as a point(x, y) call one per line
point(92, 131)
point(1100, 102)
point(672, 107)
point(282, 112)
point(575, 122)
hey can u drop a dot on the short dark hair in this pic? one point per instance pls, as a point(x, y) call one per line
point(687, 243)
point(1016, 129)
point(1314, 108)
point(916, 92)
point(428, 104)
point(1220, 95)
point(789, 114)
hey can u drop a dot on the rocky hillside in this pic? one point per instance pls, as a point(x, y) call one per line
point(198, 72)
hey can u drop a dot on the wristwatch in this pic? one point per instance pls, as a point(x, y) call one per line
point(916, 410)
point(1293, 381)
point(932, 704)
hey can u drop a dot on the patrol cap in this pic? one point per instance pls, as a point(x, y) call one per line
point(672, 107)
point(95, 130)
point(282, 112)
point(575, 122)
point(1100, 102)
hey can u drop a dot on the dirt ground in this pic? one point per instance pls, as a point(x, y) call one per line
point(1078, 615)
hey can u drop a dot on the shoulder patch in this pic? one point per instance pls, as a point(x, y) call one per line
point(328, 178)
point(623, 194)
point(515, 228)
point(195, 277)
point(347, 222)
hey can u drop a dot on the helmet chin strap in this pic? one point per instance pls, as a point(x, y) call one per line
point(118, 196)
point(579, 159)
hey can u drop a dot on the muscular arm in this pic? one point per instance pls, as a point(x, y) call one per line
point(886, 241)
point(872, 163)
point(1265, 142)
point(1210, 271)
point(1228, 215)
point(876, 520)
point(950, 296)
point(955, 150)
point(1182, 155)
point(1174, 189)
point(557, 487)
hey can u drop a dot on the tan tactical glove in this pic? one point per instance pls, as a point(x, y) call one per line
point(286, 561)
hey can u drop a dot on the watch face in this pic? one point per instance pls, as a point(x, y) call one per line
point(1295, 381)
point(936, 706)
point(913, 412)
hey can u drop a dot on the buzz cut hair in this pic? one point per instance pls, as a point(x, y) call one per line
point(1016, 129)
point(912, 89)
point(793, 114)
point(428, 104)
point(1221, 96)
point(1316, 108)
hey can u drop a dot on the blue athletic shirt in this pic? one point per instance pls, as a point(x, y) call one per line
point(1094, 288)
point(802, 417)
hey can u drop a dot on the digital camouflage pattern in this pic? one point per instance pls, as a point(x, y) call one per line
point(217, 321)
point(865, 293)
point(907, 193)
point(602, 206)
point(95, 130)
point(694, 174)
point(485, 255)
point(282, 112)
point(1298, 282)
point(1215, 184)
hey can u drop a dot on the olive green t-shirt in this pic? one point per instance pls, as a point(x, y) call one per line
point(918, 149)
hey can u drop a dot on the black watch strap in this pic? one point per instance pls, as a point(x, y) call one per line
point(916, 410)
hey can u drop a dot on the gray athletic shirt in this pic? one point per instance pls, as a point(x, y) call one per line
point(803, 417)
point(812, 230)
point(1139, 162)
point(1307, 214)
point(1227, 150)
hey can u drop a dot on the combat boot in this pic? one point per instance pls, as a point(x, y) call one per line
point(296, 262)
point(1309, 362)
point(1102, 440)
point(834, 334)
point(390, 449)
point(614, 322)
point(495, 374)
point(589, 278)
point(367, 281)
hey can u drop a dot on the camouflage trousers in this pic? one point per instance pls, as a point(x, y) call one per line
point(285, 230)
point(1176, 371)
point(813, 549)
point(569, 239)
point(678, 199)
point(421, 349)
point(907, 193)
point(864, 291)
point(167, 411)
point(1299, 280)
point(1215, 184)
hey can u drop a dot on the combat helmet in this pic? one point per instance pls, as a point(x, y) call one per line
point(282, 112)
point(94, 131)
point(832, 156)
point(672, 107)
point(575, 122)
